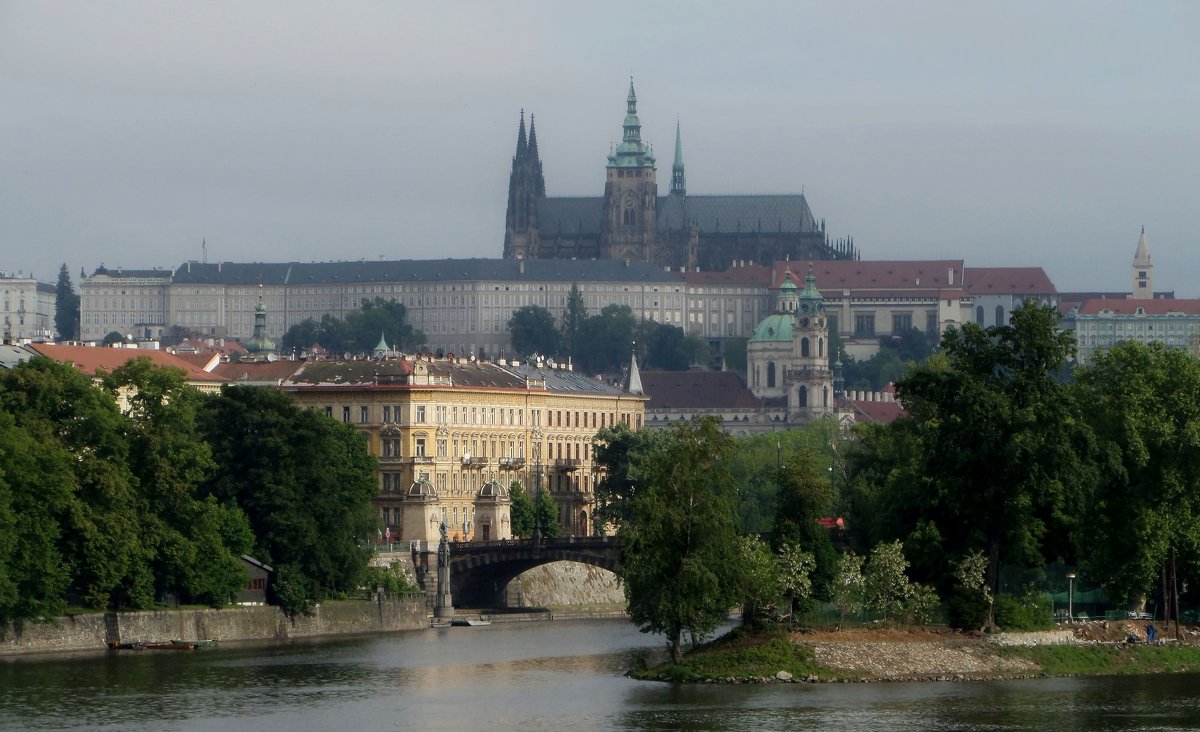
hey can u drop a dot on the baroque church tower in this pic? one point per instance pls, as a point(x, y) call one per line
point(787, 358)
point(1143, 270)
point(630, 193)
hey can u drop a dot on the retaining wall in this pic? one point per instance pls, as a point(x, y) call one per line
point(95, 632)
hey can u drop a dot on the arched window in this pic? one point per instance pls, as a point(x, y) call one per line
point(803, 396)
point(804, 347)
point(630, 217)
point(770, 374)
point(826, 396)
point(756, 375)
point(979, 315)
point(999, 315)
point(820, 348)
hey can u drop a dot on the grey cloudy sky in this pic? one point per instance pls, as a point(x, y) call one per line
point(1003, 133)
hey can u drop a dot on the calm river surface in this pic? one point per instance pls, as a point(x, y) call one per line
point(531, 676)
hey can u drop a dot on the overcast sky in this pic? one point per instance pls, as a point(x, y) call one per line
point(1002, 133)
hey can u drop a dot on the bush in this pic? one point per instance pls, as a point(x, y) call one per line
point(1028, 612)
point(922, 604)
point(967, 609)
point(393, 580)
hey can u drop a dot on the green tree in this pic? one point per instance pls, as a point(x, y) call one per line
point(761, 578)
point(66, 306)
point(573, 316)
point(359, 332)
point(603, 341)
point(618, 451)
point(805, 496)
point(1141, 400)
point(1000, 447)
point(796, 567)
point(525, 520)
point(885, 583)
point(680, 535)
point(849, 586)
point(667, 348)
point(380, 317)
point(91, 491)
point(185, 534)
point(306, 484)
point(532, 329)
point(112, 337)
point(36, 494)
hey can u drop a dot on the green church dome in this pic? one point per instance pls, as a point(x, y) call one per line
point(777, 327)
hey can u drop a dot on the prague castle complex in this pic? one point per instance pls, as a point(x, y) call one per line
point(633, 222)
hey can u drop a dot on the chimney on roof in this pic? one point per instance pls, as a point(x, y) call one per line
point(521, 264)
point(950, 277)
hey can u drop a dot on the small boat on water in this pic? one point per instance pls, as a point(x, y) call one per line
point(469, 622)
point(198, 644)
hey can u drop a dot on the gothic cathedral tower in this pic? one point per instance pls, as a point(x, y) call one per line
point(1143, 270)
point(526, 187)
point(630, 194)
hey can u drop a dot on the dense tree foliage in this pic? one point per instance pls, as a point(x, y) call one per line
point(525, 519)
point(1144, 403)
point(604, 342)
point(1002, 449)
point(111, 510)
point(573, 316)
point(896, 356)
point(304, 481)
point(66, 306)
point(680, 536)
point(667, 348)
point(359, 332)
point(532, 330)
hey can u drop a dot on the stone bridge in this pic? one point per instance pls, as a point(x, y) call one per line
point(479, 571)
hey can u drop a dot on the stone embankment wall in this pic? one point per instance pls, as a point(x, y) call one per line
point(567, 584)
point(95, 632)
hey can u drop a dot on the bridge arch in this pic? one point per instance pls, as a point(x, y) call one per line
point(480, 571)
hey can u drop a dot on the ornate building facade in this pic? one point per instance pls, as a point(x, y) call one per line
point(452, 434)
point(631, 222)
point(787, 358)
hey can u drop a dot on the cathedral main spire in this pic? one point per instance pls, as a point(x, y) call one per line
point(522, 144)
point(678, 183)
point(632, 152)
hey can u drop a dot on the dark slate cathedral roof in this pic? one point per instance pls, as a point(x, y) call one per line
point(717, 214)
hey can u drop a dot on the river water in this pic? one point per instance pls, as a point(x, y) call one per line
point(530, 677)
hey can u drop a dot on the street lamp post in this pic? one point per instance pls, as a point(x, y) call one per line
point(1070, 596)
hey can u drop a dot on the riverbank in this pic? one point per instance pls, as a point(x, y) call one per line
point(100, 631)
point(920, 654)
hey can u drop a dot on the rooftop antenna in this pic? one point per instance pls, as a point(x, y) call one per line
point(204, 251)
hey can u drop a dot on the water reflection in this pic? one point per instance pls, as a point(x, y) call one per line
point(537, 676)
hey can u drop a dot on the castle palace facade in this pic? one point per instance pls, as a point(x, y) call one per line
point(632, 222)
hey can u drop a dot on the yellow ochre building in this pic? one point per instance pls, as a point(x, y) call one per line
point(452, 434)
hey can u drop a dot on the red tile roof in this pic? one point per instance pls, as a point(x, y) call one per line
point(1008, 281)
point(1149, 307)
point(880, 412)
point(752, 275)
point(88, 360)
point(697, 390)
point(836, 275)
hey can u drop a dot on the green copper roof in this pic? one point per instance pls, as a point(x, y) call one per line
point(810, 298)
point(632, 152)
point(777, 327)
point(382, 345)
